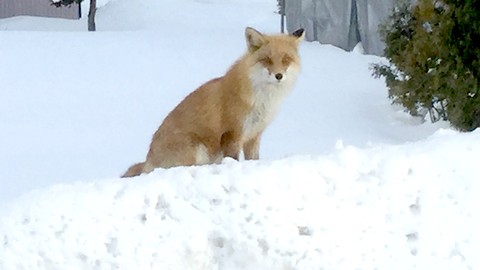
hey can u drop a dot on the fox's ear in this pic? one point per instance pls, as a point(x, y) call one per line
point(299, 34)
point(255, 39)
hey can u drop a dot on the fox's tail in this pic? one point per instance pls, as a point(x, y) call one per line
point(134, 170)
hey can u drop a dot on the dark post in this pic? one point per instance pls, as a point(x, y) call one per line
point(91, 15)
point(282, 16)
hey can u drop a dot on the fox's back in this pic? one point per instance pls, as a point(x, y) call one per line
point(198, 112)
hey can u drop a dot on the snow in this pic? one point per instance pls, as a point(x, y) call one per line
point(345, 180)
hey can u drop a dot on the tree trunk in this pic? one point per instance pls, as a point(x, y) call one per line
point(91, 15)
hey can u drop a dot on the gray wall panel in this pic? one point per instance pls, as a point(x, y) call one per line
point(342, 23)
point(43, 8)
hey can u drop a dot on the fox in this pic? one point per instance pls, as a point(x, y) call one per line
point(228, 115)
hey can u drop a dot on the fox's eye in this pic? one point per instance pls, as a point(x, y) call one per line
point(266, 61)
point(286, 60)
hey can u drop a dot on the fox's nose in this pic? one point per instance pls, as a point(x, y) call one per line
point(279, 76)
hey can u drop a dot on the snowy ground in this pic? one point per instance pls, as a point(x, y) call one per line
point(346, 181)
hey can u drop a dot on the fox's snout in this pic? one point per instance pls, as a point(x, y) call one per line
point(279, 76)
point(278, 67)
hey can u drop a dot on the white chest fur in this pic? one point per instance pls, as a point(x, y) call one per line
point(268, 94)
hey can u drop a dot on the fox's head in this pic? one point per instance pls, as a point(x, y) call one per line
point(273, 59)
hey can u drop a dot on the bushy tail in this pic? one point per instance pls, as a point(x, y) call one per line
point(134, 170)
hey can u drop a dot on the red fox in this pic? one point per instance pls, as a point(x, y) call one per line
point(228, 114)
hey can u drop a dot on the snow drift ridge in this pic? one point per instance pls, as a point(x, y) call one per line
point(286, 214)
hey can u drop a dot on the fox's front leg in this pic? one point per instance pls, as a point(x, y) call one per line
point(231, 145)
point(251, 148)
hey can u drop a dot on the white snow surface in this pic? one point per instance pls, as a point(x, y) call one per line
point(345, 180)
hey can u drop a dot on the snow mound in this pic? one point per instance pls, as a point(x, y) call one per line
point(412, 206)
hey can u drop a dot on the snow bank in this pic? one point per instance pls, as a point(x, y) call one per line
point(413, 206)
